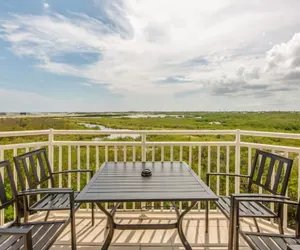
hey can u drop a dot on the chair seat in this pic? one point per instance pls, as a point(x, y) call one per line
point(43, 235)
point(54, 202)
point(247, 209)
point(264, 241)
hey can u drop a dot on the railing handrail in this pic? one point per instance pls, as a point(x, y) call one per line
point(149, 132)
point(24, 133)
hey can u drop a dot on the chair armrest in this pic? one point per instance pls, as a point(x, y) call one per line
point(14, 231)
point(269, 196)
point(25, 232)
point(275, 200)
point(46, 191)
point(75, 171)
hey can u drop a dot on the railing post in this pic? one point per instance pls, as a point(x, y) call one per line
point(237, 160)
point(50, 147)
point(143, 148)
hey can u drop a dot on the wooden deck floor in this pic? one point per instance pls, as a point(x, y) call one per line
point(91, 237)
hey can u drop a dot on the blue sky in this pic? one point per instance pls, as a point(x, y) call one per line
point(113, 55)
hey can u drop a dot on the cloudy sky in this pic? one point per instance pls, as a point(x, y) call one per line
point(113, 55)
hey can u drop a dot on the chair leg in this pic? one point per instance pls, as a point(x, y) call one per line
point(93, 214)
point(280, 226)
point(26, 215)
point(256, 224)
point(73, 232)
point(72, 222)
point(47, 215)
point(26, 212)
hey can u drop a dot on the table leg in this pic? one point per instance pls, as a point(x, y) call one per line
point(179, 226)
point(111, 224)
point(112, 212)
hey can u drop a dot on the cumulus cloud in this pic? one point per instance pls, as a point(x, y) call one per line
point(285, 55)
point(283, 62)
point(46, 5)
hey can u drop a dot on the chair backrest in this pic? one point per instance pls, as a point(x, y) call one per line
point(33, 167)
point(265, 166)
point(8, 191)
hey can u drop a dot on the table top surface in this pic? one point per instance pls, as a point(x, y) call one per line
point(122, 181)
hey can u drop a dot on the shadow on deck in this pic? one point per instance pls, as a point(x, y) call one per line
point(91, 237)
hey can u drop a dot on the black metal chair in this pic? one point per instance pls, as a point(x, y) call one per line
point(33, 235)
point(265, 165)
point(264, 241)
point(28, 172)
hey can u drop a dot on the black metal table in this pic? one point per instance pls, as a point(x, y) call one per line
point(122, 182)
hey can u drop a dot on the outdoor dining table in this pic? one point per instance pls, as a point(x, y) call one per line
point(122, 182)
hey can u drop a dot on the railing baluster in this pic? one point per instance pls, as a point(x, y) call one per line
point(60, 166)
point(153, 153)
point(218, 170)
point(190, 162)
point(199, 171)
point(97, 169)
point(153, 160)
point(227, 169)
point(78, 167)
point(69, 165)
point(124, 160)
point(171, 153)
point(249, 159)
point(106, 153)
point(180, 153)
point(237, 160)
point(106, 160)
point(125, 153)
point(133, 153)
point(162, 158)
point(143, 147)
point(190, 155)
point(97, 158)
point(208, 158)
point(115, 153)
point(133, 159)
point(88, 177)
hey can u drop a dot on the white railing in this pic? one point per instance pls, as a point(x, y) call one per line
point(232, 155)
